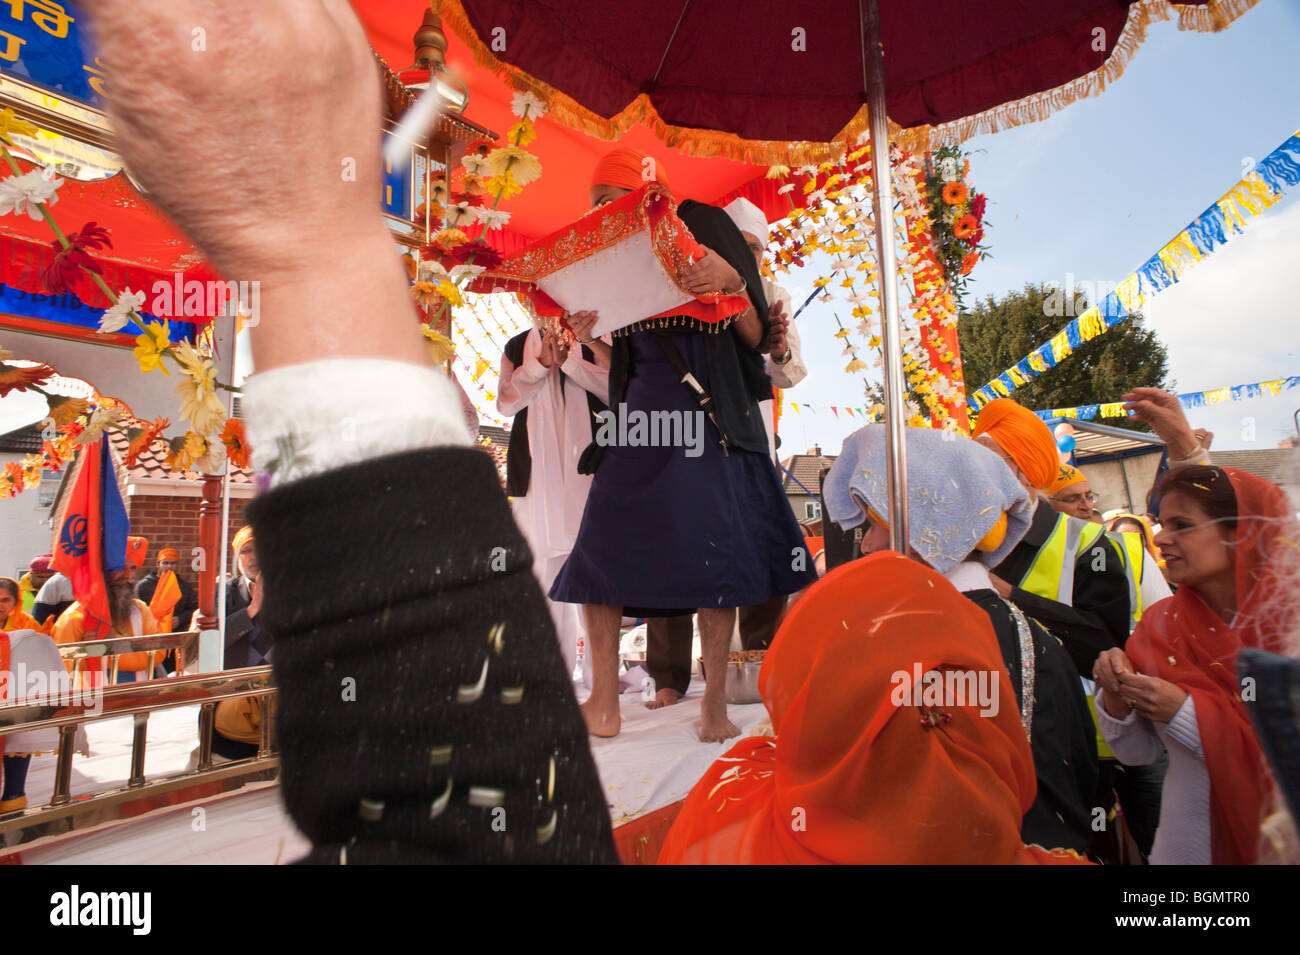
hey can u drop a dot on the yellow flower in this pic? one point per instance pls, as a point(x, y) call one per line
point(503, 187)
point(522, 133)
point(183, 452)
point(426, 294)
point(192, 362)
point(521, 165)
point(9, 123)
point(842, 333)
point(450, 292)
point(150, 346)
point(199, 401)
point(440, 346)
point(777, 172)
point(450, 238)
point(64, 409)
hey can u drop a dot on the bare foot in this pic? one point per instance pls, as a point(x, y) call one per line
point(665, 697)
point(715, 729)
point(601, 721)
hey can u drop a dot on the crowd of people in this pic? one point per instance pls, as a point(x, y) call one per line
point(986, 697)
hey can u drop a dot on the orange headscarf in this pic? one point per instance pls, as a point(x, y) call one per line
point(625, 168)
point(169, 553)
point(1185, 642)
point(1024, 436)
point(851, 777)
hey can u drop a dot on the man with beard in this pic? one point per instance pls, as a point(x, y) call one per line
point(130, 617)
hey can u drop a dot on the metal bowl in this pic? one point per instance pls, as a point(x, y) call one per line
point(742, 680)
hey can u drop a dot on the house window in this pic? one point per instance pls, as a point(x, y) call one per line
point(48, 487)
point(812, 510)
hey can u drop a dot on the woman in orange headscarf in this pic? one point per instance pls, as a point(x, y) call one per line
point(1175, 684)
point(856, 773)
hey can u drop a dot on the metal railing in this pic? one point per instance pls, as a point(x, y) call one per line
point(66, 814)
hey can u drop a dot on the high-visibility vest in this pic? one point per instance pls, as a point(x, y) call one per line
point(1051, 574)
point(1134, 552)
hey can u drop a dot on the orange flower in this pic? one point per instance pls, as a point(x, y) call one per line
point(954, 193)
point(13, 378)
point(968, 262)
point(14, 472)
point(143, 438)
point(965, 226)
point(236, 442)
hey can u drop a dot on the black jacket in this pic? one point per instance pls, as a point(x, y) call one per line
point(1062, 735)
point(1098, 618)
point(385, 599)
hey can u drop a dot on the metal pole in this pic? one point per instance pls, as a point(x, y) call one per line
point(882, 196)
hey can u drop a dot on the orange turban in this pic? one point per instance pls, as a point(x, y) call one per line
point(1023, 435)
point(169, 553)
point(626, 168)
point(242, 537)
point(136, 549)
point(1065, 476)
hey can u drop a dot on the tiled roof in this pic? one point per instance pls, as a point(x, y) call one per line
point(152, 463)
point(806, 469)
point(25, 440)
point(1279, 465)
point(498, 436)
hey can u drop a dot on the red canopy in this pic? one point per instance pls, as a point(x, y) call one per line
point(722, 78)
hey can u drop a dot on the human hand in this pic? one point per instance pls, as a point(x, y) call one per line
point(778, 330)
point(1165, 414)
point(1154, 698)
point(263, 147)
point(255, 596)
point(712, 273)
point(1109, 666)
point(582, 323)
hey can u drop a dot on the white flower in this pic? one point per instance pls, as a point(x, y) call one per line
point(117, 316)
point(816, 196)
point(491, 218)
point(457, 213)
point(474, 164)
point(788, 187)
point(864, 137)
point(213, 457)
point(24, 193)
point(526, 104)
point(466, 270)
point(100, 419)
point(431, 270)
point(806, 171)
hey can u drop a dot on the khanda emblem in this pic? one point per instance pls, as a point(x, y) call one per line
point(72, 541)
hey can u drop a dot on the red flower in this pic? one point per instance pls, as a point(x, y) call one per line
point(70, 260)
point(13, 378)
point(236, 442)
point(482, 146)
point(476, 253)
point(977, 206)
point(965, 226)
point(143, 438)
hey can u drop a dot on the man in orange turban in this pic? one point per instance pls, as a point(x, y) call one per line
point(627, 169)
point(1070, 493)
point(173, 612)
point(1021, 439)
point(130, 617)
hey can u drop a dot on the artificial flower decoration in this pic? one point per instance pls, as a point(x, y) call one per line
point(465, 271)
point(183, 452)
point(101, 418)
point(10, 123)
point(426, 294)
point(115, 318)
point(438, 192)
point(777, 172)
point(492, 218)
point(458, 213)
point(236, 442)
point(528, 105)
point(213, 457)
point(13, 476)
point(475, 165)
point(142, 438)
point(14, 378)
point(71, 258)
point(522, 133)
point(482, 146)
point(151, 346)
point(26, 193)
point(63, 409)
point(441, 348)
point(450, 238)
point(964, 227)
point(450, 292)
point(954, 193)
point(515, 161)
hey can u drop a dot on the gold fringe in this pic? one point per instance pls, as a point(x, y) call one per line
point(1212, 17)
point(704, 143)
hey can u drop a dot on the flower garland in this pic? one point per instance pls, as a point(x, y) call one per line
point(204, 445)
point(956, 217)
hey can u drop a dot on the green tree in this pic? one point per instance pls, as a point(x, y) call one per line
point(997, 334)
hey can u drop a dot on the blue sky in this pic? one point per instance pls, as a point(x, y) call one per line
point(1100, 186)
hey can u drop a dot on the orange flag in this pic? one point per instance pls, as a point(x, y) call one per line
point(165, 597)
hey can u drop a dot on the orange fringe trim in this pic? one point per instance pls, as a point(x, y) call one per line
point(1212, 17)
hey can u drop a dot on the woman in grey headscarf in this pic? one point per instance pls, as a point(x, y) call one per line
point(966, 512)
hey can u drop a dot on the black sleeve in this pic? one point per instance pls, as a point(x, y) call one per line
point(712, 227)
point(423, 701)
point(42, 612)
point(1082, 633)
point(145, 588)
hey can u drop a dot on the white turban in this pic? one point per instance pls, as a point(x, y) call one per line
point(748, 218)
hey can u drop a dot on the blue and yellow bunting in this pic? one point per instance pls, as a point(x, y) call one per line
point(1191, 399)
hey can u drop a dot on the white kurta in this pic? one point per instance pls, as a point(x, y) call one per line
point(559, 430)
